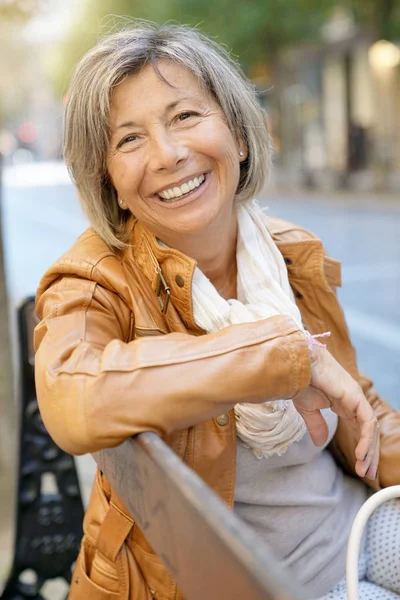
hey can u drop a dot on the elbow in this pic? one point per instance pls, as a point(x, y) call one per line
point(68, 434)
point(71, 443)
point(72, 440)
point(76, 424)
point(62, 408)
point(76, 442)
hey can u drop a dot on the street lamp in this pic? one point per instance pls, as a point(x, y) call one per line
point(384, 55)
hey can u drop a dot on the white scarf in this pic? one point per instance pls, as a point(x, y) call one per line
point(263, 290)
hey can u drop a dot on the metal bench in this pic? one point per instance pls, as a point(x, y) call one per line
point(49, 509)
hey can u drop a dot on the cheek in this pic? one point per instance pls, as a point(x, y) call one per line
point(223, 147)
point(228, 161)
point(124, 176)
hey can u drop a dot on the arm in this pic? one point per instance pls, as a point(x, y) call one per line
point(345, 440)
point(96, 388)
point(333, 387)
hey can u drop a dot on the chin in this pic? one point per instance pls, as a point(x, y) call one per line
point(195, 223)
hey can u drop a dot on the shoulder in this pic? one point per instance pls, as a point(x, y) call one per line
point(289, 235)
point(285, 231)
point(90, 259)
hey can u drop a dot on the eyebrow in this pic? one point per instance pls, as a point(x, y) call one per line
point(171, 106)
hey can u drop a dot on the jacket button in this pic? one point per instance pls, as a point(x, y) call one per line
point(222, 419)
point(179, 280)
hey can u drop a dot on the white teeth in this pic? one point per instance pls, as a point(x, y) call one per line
point(185, 188)
point(177, 192)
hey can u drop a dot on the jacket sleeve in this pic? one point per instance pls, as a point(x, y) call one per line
point(96, 388)
point(389, 426)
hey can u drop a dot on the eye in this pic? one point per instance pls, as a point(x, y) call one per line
point(186, 115)
point(127, 140)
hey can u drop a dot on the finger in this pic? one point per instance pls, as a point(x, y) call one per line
point(316, 425)
point(373, 469)
point(369, 463)
point(320, 399)
point(312, 398)
point(366, 444)
point(368, 429)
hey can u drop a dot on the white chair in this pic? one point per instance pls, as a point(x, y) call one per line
point(353, 547)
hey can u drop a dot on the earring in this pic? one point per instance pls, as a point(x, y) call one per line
point(120, 202)
point(241, 153)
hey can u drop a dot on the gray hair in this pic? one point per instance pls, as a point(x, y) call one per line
point(125, 53)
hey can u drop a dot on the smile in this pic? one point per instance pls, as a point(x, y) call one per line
point(181, 190)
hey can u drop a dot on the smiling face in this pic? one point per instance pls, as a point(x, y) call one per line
point(172, 158)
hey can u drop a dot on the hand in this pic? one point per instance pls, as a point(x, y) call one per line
point(332, 387)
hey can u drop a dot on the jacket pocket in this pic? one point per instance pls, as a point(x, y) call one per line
point(158, 579)
point(91, 579)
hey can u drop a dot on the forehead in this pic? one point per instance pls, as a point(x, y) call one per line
point(157, 87)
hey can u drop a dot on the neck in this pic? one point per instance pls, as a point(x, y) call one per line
point(217, 261)
point(214, 251)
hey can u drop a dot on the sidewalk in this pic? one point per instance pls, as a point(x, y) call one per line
point(289, 185)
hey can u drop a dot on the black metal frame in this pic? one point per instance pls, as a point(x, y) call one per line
point(48, 523)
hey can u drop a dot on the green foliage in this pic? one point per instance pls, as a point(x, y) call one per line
point(381, 16)
point(253, 29)
point(256, 29)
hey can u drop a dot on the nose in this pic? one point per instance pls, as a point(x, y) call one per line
point(166, 152)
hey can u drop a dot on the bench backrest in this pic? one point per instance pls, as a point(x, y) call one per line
point(210, 552)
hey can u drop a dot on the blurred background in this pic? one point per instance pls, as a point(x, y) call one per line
point(327, 73)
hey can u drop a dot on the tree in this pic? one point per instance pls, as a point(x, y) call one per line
point(379, 16)
point(255, 30)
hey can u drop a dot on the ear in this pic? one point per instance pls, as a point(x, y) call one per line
point(243, 151)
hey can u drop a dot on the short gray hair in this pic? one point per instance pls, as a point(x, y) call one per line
point(125, 53)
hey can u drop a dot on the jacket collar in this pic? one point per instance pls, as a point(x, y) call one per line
point(170, 272)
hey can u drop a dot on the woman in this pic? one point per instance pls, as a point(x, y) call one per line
point(180, 281)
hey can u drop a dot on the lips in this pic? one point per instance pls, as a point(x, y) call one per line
point(192, 195)
point(177, 191)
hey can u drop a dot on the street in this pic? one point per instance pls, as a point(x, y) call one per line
point(41, 219)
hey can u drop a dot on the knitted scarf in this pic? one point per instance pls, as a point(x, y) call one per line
point(263, 290)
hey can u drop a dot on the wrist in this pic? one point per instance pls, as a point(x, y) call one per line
point(314, 346)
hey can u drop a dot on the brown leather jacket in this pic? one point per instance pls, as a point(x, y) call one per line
point(106, 370)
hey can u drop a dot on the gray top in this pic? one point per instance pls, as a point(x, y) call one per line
point(302, 506)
